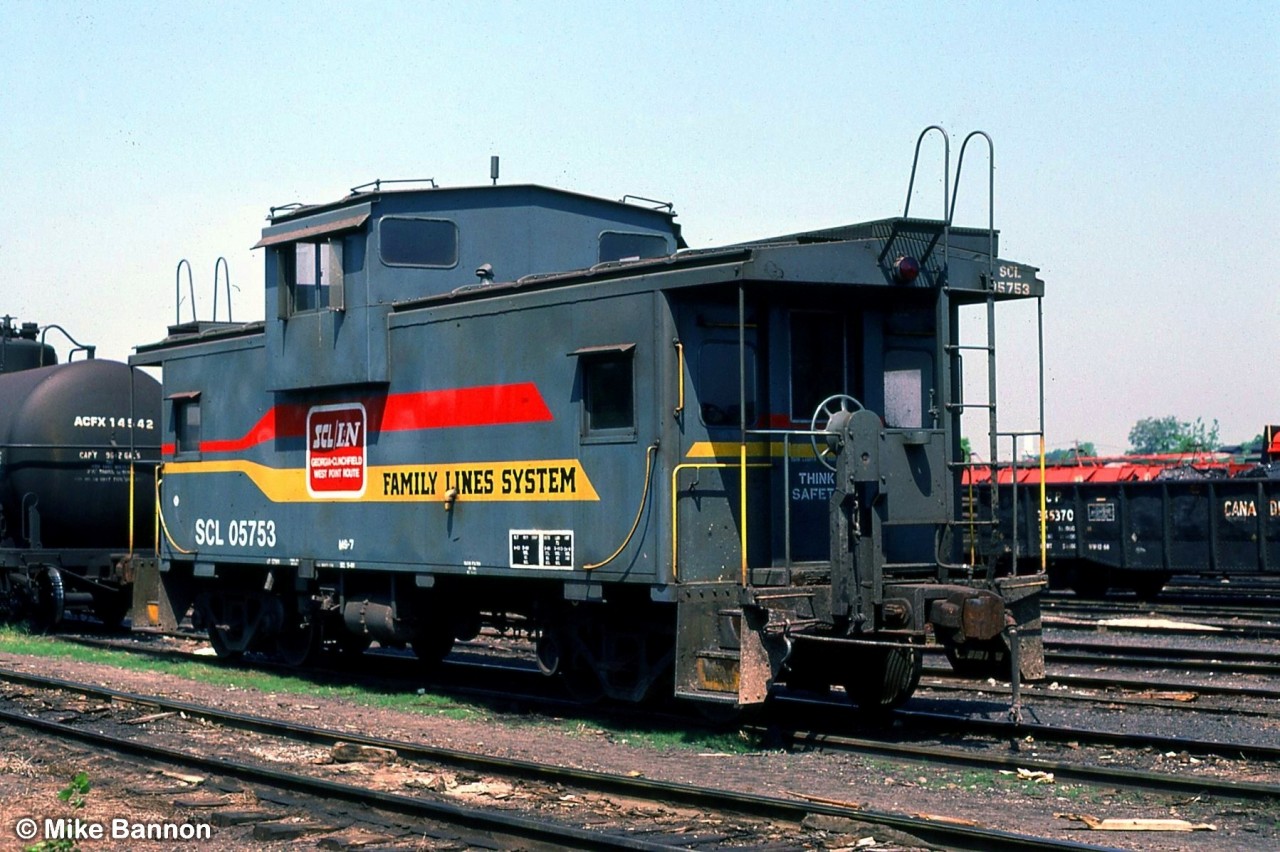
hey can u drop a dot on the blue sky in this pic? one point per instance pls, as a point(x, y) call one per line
point(1137, 154)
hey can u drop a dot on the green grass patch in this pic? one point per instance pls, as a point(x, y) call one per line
point(659, 736)
point(666, 737)
point(16, 641)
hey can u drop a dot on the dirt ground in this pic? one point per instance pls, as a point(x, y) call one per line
point(33, 774)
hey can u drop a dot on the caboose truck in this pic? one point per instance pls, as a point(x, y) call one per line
point(734, 467)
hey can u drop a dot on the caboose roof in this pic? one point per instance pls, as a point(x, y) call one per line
point(304, 221)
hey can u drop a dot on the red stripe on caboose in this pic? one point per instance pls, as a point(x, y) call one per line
point(486, 405)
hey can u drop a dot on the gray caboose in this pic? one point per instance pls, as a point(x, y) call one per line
point(702, 471)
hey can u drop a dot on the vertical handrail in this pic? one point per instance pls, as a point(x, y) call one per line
point(946, 172)
point(221, 263)
point(944, 307)
point(1044, 495)
point(177, 292)
point(946, 189)
point(992, 418)
point(742, 426)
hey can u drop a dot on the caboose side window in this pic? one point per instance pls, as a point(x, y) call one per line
point(719, 401)
point(186, 424)
point(615, 245)
point(817, 361)
point(608, 396)
point(311, 276)
point(405, 241)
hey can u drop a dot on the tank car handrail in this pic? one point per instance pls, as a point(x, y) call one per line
point(78, 346)
point(177, 292)
point(221, 263)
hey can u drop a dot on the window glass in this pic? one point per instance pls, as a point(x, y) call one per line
point(616, 246)
point(305, 277)
point(607, 392)
point(720, 404)
point(817, 361)
point(417, 242)
point(187, 425)
point(908, 385)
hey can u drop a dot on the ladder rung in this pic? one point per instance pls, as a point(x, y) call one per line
point(957, 347)
point(990, 406)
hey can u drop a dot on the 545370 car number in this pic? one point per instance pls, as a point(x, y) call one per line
point(213, 532)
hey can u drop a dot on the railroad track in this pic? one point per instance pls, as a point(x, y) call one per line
point(393, 665)
point(491, 822)
point(467, 675)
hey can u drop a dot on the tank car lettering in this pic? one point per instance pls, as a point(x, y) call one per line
point(91, 422)
point(1275, 508)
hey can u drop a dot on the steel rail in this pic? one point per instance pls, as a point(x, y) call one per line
point(1007, 728)
point(1089, 774)
point(1192, 659)
point(474, 818)
point(951, 835)
point(1087, 682)
point(1054, 733)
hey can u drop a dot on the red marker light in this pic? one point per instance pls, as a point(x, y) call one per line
point(906, 269)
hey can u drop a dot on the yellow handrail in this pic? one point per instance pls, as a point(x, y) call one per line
point(163, 525)
point(130, 509)
point(675, 517)
point(644, 500)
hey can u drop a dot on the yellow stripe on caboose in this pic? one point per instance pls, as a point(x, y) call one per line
point(729, 450)
point(501, 481)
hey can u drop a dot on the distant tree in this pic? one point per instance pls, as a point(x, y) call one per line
point(1067, 455)
point(966, 449)
point(1171, 435)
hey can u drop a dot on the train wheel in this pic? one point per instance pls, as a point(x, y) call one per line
point(581, 681)
point(50, 600)
point(980, 659)
point(432, 645)
point(1093, 586)
point(1147, 586)
point(111, 607)
point(350, 644)
point(549, 652)
point(884, 678)
point(224, 643)
point(298, 646)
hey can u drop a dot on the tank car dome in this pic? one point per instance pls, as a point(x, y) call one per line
point(19, 348)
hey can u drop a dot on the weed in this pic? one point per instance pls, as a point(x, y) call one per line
point(74, 793)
